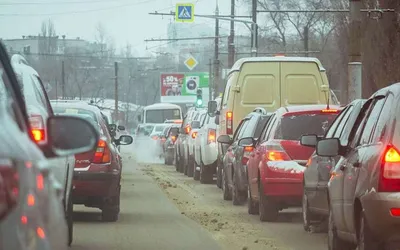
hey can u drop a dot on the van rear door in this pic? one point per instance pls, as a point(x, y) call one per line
point(259, 87)
point(301, 84)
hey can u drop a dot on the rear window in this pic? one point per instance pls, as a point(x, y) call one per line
point(160, 116)
point(159, 128)
point(75, 112)
point(292, 127)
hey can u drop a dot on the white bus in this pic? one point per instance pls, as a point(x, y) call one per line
point(160, 113)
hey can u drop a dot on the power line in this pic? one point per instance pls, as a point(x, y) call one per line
point(182, 39)
point(85, 56)
point(55, 3)
point(78, 12)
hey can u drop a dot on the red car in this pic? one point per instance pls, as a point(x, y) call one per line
point(276, 166)
point(97, 173)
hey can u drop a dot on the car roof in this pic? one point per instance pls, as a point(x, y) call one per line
point(77, 105)
point(162, 105)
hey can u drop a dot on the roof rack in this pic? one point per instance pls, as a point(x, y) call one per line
point(260, 110)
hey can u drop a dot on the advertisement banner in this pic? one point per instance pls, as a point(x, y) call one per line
point(182, 87)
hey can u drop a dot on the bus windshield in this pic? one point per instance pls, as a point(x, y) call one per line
point(160, 116)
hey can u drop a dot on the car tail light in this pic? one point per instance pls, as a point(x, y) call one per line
point(9, 187)
point(395, 212)
point(390, 177)
point(329, 111)
point(211, 136)
point(275, 152)
point(229, 122)
point(308, 162)
point(173, 138)
point(154, 137)
point(194, 135)
point(246, 154)
point(37, 128)
point(102, 154)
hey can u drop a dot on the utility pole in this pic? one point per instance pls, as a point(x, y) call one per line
point(211, 80)
point(231, 40)
point(63, 79)
point(354, 88)
point(216, 50)
point(254, 34)
point(306, 40)
point(116, 92)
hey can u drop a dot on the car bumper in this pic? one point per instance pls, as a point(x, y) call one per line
point(210, 154)
point(95, 184)
point(379, 218)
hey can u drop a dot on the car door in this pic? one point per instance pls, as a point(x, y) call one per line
point(355, 157)
point(256, 157)
point(314, 174)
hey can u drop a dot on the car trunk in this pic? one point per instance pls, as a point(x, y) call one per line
point(296, 151)
point(83, 160)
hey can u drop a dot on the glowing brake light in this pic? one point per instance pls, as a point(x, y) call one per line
point(194, 135)
point(154, 137)
point(102, 154)
point(390, 172)
point(246, 154)
point(211, 136)
point(329, 111)
point(395, 212)
point(173, 138)
point(37, 128)
point(276, 153)
point(229, 122)
point(178, 122)
point(187, 129)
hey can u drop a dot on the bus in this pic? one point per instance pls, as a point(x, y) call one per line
point(160, 113)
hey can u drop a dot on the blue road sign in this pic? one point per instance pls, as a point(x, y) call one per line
point(184, 12)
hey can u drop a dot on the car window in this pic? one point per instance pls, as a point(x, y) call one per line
point(384, 120)
point(260, 125)
point(292, 127)
point(265, 130)
point(243, 129)
point(370, 121)
point(227, 90)
point(332, 129)
point(339, 130)
point(7, 98)
point(239, 128)
point(41, 92)
point(270, 128)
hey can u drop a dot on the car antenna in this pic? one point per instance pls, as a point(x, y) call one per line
point(327, 99)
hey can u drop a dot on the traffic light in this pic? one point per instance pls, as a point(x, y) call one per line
point(199, 100)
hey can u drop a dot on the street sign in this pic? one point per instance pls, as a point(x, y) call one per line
point(191, 63)
point(184, 12)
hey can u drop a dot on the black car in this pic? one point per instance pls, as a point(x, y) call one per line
point(234, 172)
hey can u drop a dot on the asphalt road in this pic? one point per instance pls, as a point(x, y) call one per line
point(148, 220)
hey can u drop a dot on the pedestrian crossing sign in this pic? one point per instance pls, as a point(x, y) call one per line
point(184, 12)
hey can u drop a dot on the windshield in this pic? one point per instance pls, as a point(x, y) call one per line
point(292, 127)
point(160, 116)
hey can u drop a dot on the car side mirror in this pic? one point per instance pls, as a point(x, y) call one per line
point(224, 139)
point(124, 140)
point(69, 136)
point(212, 108)
point(247, 141)
point(328, 147)
point(121, 128)
point(309, 140)
point(195, 124)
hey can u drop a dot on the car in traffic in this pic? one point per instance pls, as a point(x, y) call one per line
point(39, 110)
point(276, 166)
point(31, 209)
point(234, 172)
point(364, 205)
point(315, 204)
point(169, 145)
point(195, 125)
point(97, 173)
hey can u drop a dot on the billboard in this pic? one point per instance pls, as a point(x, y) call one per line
point(182, 87)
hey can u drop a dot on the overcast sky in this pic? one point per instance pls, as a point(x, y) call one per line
point(124, 20)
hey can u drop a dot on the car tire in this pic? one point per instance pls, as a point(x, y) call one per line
point(366, 239)
point(176, 162)
point(190, 167)
point(219, 173)
point(70, 219)
point(306, 213)
point(238, 197)
point(252, 206)
point(206, 174)
point(334, 242)
point(227, 194)
point(196, 173)
point(268, 208)
point(110, 212)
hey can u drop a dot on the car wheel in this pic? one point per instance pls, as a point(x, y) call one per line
point(269, 210)
point(196, 173)
point(252, 206)
point(334, 242)
point(110, 211)
point(206, 174)
point(190, 167)
point(70, 219)
point(176, 162)
point(219, 174)
point(238, 197)
point(306, 213)
point(227, 194)
point(366, 239)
